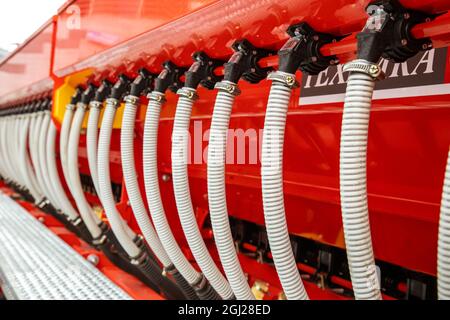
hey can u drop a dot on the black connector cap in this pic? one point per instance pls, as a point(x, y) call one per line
point(302, 50)
point(76, 97)
point(169, 78)
point(88, 94)
point(120, 88)
point(202, 71)
point(387, 32)
point(244, 63)
point(103, 91)
point(143, 83)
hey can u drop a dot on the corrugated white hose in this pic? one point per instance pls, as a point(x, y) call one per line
point(91, 141)
point(353, 189)
point(25, 161)
point(121, 230)
point(443, 261)
point(131, 180)
point(217, 194)
point(5, 145)
point(272, 187)
point(12, 149)
point(183, 196)
point(31, 171)
point(32, 137)
point(89, 218)
point(16, 151)
point(63, 141)
point(34, 152)
point(67, 207)
point(154, 194)
point(43, 161)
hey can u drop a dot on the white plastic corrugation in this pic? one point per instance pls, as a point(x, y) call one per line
point(443, 261)
point(42, 154)
point(151, 179)
point(91, 142)
point(131, 181)
point(273, 195)
point(90, 219)
point(353, 186)
point(182, 193)
point(217, 196)
point(67, 207)
point(120, 228)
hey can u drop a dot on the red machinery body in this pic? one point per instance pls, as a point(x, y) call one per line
point(408, 136)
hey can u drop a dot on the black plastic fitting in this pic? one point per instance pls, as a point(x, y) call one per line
point(201, 71)
point(302, 50)
point(169, 78)
point(103, 91)
point(244, 63)
point(120, 88)
point(76, 97)
point(387, 32)
point(88, 94)
point(143, 83)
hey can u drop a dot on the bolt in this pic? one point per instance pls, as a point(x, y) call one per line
point(404, 42)
point(93, 258)
point(165, 177)
point(374, 70)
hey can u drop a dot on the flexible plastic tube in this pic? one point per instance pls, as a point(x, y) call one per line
point(118, 226)
point(183, 199)
point(91, 142)
point(272, 191)
point(217, 196)
point(32, 137)
point(67, 207)
point(91, 220)
point(131, 182)
point(154, 195)
point(25, 162)
point(43, 161)
point(63, 141)
point(355, 215)
point(443, 262)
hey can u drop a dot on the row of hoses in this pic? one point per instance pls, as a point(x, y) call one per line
point(211, 283)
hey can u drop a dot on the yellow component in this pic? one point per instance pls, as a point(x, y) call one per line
point(65, 91)
point(62, 94)
point(260, 289)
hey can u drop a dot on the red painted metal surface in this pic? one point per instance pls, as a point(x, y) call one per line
point(88, 27)
point(29, 63)
point(408, 138)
